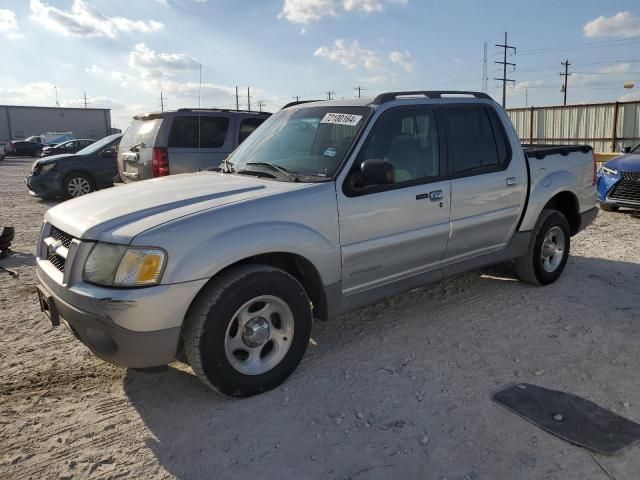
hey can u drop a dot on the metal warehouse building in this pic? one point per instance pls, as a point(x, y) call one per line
point(18, 122)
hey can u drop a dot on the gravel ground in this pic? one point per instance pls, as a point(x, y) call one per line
point(400, 389)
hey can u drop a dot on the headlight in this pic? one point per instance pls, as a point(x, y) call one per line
point(47, 166)
point(121, 266)
point(609, 171)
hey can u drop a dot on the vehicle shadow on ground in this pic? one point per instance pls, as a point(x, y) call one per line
point(200, 434)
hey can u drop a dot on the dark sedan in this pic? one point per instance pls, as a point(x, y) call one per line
point(26, 148)
point(70, 146)
point(73, 175)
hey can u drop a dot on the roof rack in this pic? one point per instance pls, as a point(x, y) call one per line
point(299, 102)
point(390, 96)
point(221, 110)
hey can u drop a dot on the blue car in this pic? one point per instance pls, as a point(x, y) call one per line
point(619, 182)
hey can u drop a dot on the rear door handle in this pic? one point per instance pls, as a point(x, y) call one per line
point(511, 181)
point(436, 195)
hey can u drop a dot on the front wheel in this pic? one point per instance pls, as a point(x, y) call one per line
point(78, 184)
point(548, 250)
point(248, 330)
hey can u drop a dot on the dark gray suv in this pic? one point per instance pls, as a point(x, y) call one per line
point(182, 141)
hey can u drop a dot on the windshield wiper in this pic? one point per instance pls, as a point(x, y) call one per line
point(283, 171)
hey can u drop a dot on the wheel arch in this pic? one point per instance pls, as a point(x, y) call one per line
point(567, 203)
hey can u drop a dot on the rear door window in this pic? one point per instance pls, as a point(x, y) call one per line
point(472, 142)
point(247, 126)
point(208, 132)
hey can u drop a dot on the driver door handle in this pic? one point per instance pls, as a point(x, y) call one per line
point(436, 195)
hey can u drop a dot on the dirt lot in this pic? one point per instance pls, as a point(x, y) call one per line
point(397, 390)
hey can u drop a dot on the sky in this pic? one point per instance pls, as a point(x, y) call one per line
point(123, 54)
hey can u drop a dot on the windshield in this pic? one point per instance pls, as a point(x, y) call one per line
point(309, 142)
point(95, 146)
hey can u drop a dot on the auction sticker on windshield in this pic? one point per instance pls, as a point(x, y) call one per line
point(341, 119)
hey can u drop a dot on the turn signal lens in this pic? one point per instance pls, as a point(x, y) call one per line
point(140, 267)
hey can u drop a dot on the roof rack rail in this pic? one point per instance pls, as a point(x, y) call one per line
point(390, 96)
point(221, 110)
point(299, 102)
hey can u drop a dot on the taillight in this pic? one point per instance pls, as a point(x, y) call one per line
point(160, 162)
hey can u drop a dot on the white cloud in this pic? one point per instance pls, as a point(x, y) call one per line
point(30, 93)
point(629, 97)
point(96, 101)
point(9, 25)
point(305, 11)
point(404, 59)
point(189, 89)
point(350, 54)
point(148, 63)
point(614, 73)
point(623, 24)
point(94, 69)
point(84, 20)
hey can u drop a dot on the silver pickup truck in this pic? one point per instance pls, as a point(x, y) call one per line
point(327, 207)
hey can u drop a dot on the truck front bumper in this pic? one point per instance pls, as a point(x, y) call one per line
point(99, 317)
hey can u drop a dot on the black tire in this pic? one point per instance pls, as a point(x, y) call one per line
point(77, 176)
point(609, 208)
point(529, 267)
point(210, 315)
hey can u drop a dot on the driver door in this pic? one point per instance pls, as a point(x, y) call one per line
point(391, 232)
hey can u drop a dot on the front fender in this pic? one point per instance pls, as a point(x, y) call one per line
point(211, 255)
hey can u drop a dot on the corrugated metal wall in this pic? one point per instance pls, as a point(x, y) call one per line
point(590, 124)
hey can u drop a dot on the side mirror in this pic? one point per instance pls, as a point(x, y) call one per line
point(375, 171)
point(625, 149)
point(109, 153)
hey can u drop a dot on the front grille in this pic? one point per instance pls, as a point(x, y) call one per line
point(57, 256)
point(58, 234)
point(627, 189)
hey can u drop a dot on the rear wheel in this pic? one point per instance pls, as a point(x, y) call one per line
point(548, 250)
point(247, 331)
point(77, 184)
point(609, 208)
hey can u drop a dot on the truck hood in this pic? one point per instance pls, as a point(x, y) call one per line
point(625, 163)
point(120, 213)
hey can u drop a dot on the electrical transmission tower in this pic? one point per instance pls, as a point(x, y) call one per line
point(504, 64)
point(566, 76)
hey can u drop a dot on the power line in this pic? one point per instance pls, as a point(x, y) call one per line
point(504, 64)
point(566, 76)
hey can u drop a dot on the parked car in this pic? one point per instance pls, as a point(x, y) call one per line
point(70, 146)
point(3, 153)
point(26, 148)
point(619, 182)
point(72, 175)
point(327, 207)
point(182, 141)
point(51, 138)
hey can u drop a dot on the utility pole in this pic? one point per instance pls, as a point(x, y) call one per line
point(261, 103)
point(526, 97)
point(163, 101)
point(297, 98)
point(359, 91)
point(57, 102)
point(199, 85)
point(237, 100)
point(504, 64)
point(485, 78)
point(85, 100)
point(249, 98)
point(566, 76)
point(329, 93)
